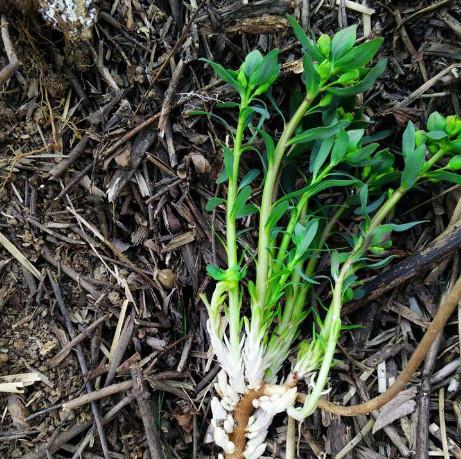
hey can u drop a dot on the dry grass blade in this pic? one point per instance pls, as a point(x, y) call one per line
point(20, 257)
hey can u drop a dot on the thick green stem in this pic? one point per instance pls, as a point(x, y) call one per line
point(264, 242)
point(231, 236)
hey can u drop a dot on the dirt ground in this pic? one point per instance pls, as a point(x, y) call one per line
point(104, 177)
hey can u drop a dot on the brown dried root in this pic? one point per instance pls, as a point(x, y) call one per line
point(242, 413)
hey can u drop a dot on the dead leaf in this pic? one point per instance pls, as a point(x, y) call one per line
point(123, 158)
point(183, 414)
point(17, 412)
point(196, 160)
point(400, 406)
point(202, 166)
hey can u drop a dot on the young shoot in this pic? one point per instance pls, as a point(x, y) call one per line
point(261, 300)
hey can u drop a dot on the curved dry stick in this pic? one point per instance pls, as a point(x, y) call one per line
point(443, 314)
point(8, 71)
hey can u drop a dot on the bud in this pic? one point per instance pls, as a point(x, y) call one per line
point(433, 149)
point(242, 79)
point(348, 295)
point(326, 100)
point(455, 146)
point(324, 44)
point(453, 125)
point(455, 163)
point(348, 77)
point(436, 122)
point(420, 138)
point(324, 69)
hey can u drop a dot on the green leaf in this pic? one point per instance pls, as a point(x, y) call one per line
point(311, 77)
point(227, 105)
point(339, 148)
point(408, 140)
point(455, 145)
point(355, 136)
point(308, 46)
point(436, 122)
point(240, 202)
point(377, 136)
point(359, 56)
point(249, 112)
point(314, 189)
point(252, 60)
point(270, 146)
point(370, 208)
point(304, 237)
point(246, 210)
point(444, 176)
point(249, 177)
point(414, 163)
point(398, 228)
point(455, 163)
point(213, 203)
point(228, 165)
point(278, 211)
point(216, 273)
point(363, 196)
point(337, 258)
point(436, 135)
point(266, 72)
point(318, 158)
point(362, 157)
point(381, 263)
point(319, 133)
point(343, 41)
point(364, 84)
point(229, 76)
point(303, 276)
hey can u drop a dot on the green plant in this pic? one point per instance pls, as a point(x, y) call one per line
point(255, 314)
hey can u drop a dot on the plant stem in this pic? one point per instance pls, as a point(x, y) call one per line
point(434, 159)
point(231, 236)
point(332, 323)
point(264, 254)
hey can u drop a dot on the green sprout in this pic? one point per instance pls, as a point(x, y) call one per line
point(261, 300)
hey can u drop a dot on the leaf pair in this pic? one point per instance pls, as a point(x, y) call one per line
point(256, 74)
